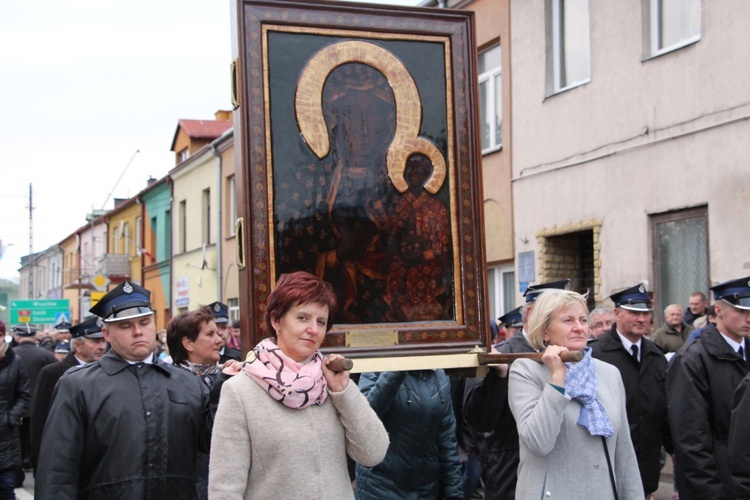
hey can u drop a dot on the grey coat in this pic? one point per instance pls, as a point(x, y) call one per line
point(559, 458)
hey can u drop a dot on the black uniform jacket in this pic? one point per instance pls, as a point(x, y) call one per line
point(45, 385)
point(739, 439)
point(646, 400)
point(486, 410)
point(121, 431)
point(34, 358)
point(229, 353)
point(701, 381)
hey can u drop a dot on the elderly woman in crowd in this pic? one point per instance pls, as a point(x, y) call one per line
point(286, 422)
point(194, 343)
point(573, 429)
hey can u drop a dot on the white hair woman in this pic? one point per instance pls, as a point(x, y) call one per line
point(573, 429)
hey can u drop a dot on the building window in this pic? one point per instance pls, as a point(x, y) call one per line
point(501, 281)
point(680, 249)
point(116, 238)
point(234, 309)
point(138, 235)
point(167, 231)
point(183, 226)
point(152, 240)
point(206, 217)
point(490, 99)
point(127, 241)
point(674, 24)
point(569, 56)
point(183, 155)
point(232, 207)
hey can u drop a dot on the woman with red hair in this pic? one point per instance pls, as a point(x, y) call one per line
point(286, 423)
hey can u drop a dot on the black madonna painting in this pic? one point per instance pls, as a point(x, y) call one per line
point(362, 184)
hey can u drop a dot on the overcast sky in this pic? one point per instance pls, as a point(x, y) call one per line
point(84, 84)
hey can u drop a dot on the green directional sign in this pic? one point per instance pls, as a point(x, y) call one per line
point(51, 311)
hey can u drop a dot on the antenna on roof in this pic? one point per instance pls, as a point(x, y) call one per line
point(120, 178)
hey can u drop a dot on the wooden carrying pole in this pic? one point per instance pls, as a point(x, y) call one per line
point(500, 358)
point(340, 365)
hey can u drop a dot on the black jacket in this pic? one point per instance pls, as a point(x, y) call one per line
point(646, 400)
point(119, 431)
point(34, 359)
point(228, 353)
point(422, 459)
point(701, 381)
point(486, 410)
point(45, 385)
point(739, 439)
point(15, 397)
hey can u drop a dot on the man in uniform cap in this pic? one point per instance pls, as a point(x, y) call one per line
point(128, 425)
point(511, 321)
point(220, 313)
point(486, 407)
point(642, 366)
point(62, 331)
point(701, 381)
point(88, 345)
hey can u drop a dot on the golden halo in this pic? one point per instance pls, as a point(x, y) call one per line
point(308, 105)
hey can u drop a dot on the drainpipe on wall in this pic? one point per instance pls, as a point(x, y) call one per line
point(219, 243)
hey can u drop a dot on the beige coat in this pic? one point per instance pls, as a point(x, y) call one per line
point(263, 449)
point(559, 458)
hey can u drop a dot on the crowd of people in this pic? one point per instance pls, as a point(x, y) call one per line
point(131, 413)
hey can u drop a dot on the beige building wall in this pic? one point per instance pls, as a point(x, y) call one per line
point(492, 27)
point(643, 137)
point(194, 269)
point(229, 213)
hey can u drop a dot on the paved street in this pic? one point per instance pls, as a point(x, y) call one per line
point(663, 493)
point(27, 492)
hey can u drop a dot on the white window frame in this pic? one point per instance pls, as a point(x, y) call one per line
point(232, 208)
point(498, 306)
point(489, 78)
point(656, 29)
point(234, 309)
point(558, 58)
point(138, 235)
point(206, 216)
point(126, 239)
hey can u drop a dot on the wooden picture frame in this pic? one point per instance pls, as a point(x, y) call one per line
point(358, 160)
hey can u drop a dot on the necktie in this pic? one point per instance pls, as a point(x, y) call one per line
point(741, 352)
point(634, 350)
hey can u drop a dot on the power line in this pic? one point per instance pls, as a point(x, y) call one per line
point(120, 178)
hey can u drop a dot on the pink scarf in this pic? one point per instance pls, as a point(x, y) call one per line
point(294, 384)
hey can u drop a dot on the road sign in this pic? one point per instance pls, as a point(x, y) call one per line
point(63, 317)
point(38, 311)
point(96, 297)
point(100, 282)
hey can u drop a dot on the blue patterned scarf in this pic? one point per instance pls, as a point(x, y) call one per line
point(580, 385)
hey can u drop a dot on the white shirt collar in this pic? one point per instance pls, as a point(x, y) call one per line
point(149, 360)
point(734, 345)
point(627, 343)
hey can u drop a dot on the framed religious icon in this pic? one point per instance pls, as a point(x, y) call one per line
point(358, 161)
